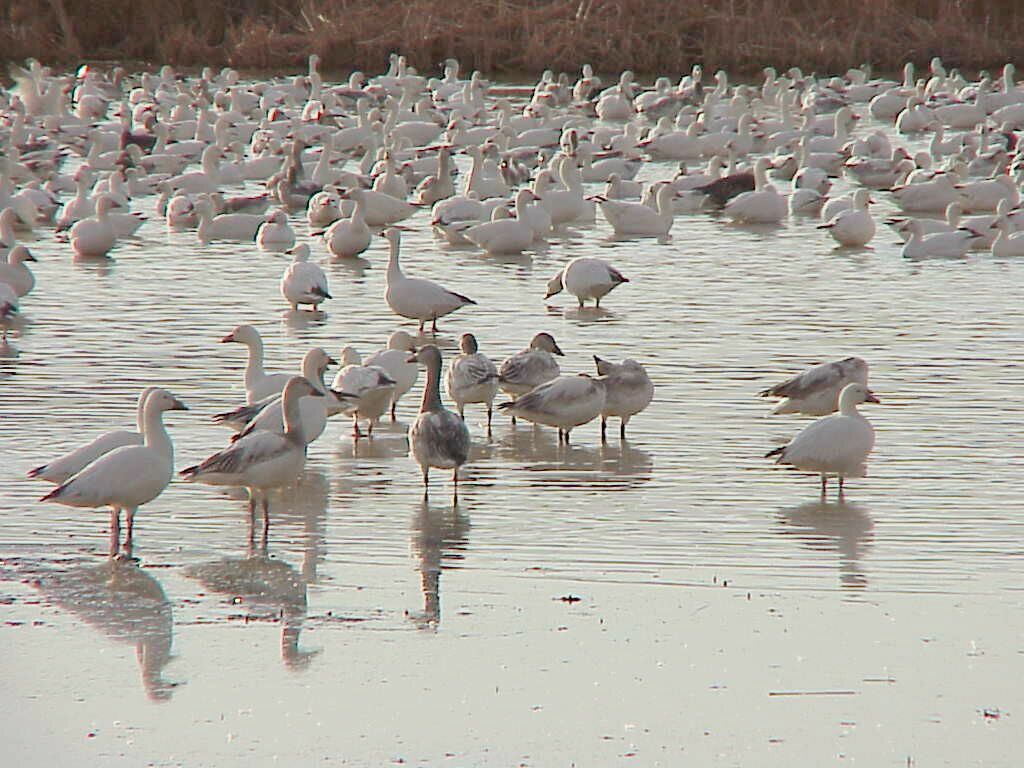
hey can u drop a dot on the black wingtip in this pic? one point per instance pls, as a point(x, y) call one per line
point(776, 452)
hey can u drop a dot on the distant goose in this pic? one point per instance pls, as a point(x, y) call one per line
point(262, 461)
point(629, 218)
point(472, 377)
point(438, 437)
point(417, 298)
point(586, 278)
point(9, 308)
point(815, 392)
point(347, 238)
point(628, 390)
point(70, 464)
point(239, 227)
point(855, 226)
point(258, 383)
point(94, 237)
point(303, 282)
point(129, 476)
point(565, 403)
point(834, 445)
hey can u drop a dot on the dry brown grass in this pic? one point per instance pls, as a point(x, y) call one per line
point(521, 36)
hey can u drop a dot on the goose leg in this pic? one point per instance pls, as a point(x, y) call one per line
point(604, 429)
point(422, 322)
point(567, 436)
point(394, 405)
point(489, 409)
point(841, 487)
point(266, 520)
point(115, 531)
point(824, 485)
point(433, 327)
point(130, 529)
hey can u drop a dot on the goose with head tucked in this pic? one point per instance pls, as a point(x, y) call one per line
point(815, 392)
point(275, 233)
point(129, 476)
point(370, 388)
point(628, 390)
point(438, 438)
point(565, 402)
point(417, 298)
point(472, 377)
point(586, 278)
point(263, 460)
point(836, 445)
point(303, 282)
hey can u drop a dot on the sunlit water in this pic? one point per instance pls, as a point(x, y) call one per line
point(380, 627)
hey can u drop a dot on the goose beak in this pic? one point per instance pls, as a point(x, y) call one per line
point(557, 350)
point(177, 405)
point(412, 358)
point(226, 339)
point(872, 398)
point(331, 361)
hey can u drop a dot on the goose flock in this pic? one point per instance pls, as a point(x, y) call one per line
point(496, 169)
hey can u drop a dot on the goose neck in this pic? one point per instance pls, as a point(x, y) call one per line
point(155, 434)
point(432, 390)
point(292, 415)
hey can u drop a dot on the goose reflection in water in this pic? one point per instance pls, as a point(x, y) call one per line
point(439, 538)
point(126, 604)
point(305, 506)
point(846, 529)
point(303, 319)
point(267, 589)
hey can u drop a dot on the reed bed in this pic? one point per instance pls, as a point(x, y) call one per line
point(522, 36)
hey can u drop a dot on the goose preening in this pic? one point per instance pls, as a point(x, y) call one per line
point(586, 278)
point(628, 390)
point(262, 460)
point(395, 360)
point(565, 402)
point(275, 234)
point(70, 464)
point(530, 368)
point(815, 392)
point(370, 388)
point(838, 444)
point(129, 476)
point(258, 383)
point(438, 438)
point(472, 377)
point(413, 297)
point(303, 282)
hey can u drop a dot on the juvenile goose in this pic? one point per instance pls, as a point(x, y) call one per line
point(472, 377)
point(586, 278)
point(834, 445)
point(565, 402)
point(70, 464)
point(815, 392)
point(417, 298)
point(530, 368)
point(628, 390)
point(438, 437)
point(262, 460)
point(303, 282)
point(129, 476)
point(258, 383)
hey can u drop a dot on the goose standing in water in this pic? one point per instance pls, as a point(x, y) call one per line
point(417, 298)
point(262, 460)
point(628, 390)
point(834, 445)
point(70, 464)
point(303, 282)
point(531, 367)
point(472, 377)
point(395, 360)
point(16, 273)
point(565, 402)
point(438, 437)
point(586, 278)
point(258, 383)
point(129, 476)
point(815, 392)
point(370, 388)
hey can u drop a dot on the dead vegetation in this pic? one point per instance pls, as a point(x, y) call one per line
point(518, 35)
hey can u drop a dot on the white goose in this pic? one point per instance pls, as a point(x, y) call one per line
point(438, 437)
point(565, 403)
point(586, 278)
point(502, 234)
point(262, 460)
point(94, 237)
point(763, 205)
point(953, 244)
point(275, 233)
point(417, 298)
point(370, 387)
point(815, 392)
point(347, 238)
point(258, 383)
point(834, 445)
point(472, 377)
point(238, 227)
point(853, 227)
point(129, 476)
point(628, 390)
point(1008, 242)
point(70, 464)
point(395, 360)
point(303, 282)
point(629, 218)
point(15, 272)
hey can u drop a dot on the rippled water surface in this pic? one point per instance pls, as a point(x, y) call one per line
point(725, 615)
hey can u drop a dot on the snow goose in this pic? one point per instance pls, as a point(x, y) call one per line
point(586, 278)
point(15, 272)
point(8, 237)
point(371, 389)
point(258, 383)
point(565, 402)
point(628, 218)
point(381, 210)
point(503, 235)
point(985, 195)
point(395, 360)
point(815, 392)
point(275, 234)
point(1007, 241)
point(262, 460)
point(472, 377)
point(521, 372)
point(129, 476)
point(628, 390)
point(94, 237)
point(763, 205)
point(834, 445)
point(323, 208)
point(347, 238)
point(953, 244)
point(438, 437)
point(239, 227)
point(417, 298)
point(303, 282)
point(855, 226)
point(70, 464)
point(926, 196)
point(439, 186)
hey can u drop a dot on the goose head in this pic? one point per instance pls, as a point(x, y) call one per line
point(299, 253)
point(853, 395)
point(401, 340)
point(162, 400)
point(555, 286)
point(243, 334)
point(315, 362)
point(20, 254)
point(428, 355)
point(467, 344)
point(546, 342)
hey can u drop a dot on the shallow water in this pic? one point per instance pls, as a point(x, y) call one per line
point(724, 614)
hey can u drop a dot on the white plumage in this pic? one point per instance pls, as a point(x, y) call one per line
point(815, 392)
point(303, 282)
point(586, 278)
point(628, 390)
